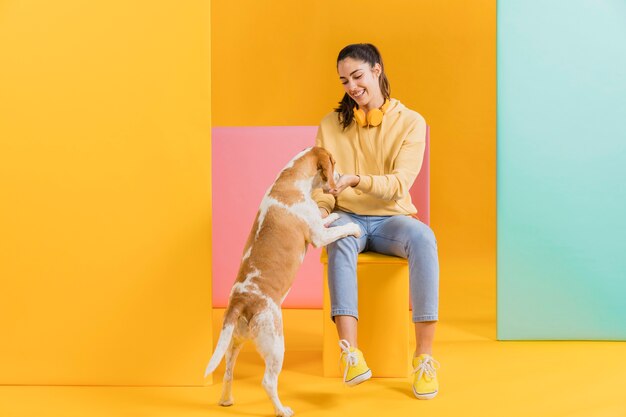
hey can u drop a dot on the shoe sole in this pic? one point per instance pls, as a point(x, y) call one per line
point(361, 378)
point(428, 396)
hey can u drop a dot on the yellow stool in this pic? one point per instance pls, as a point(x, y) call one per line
point(383, 335)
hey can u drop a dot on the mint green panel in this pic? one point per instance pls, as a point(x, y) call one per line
point(561, 194)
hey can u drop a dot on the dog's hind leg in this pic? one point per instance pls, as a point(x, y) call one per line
point(231, 357)
point(270, 343)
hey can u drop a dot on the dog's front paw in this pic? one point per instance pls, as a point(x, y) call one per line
point(330, 218)
point(354, 230)
point(284, 412)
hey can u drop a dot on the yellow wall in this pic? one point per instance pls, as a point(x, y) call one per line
point(105, 159)
point(105, 212)
point(275, 65)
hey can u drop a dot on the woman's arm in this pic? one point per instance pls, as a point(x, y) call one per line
point(407, 165)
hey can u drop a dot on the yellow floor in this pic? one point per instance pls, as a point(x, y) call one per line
point(479, 377)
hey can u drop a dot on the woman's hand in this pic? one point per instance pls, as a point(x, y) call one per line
point(345, 181)
point(323, 212)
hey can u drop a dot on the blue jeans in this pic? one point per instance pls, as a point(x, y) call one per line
point(401, 236)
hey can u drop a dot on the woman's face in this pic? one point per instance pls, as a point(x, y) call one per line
point(360, 81)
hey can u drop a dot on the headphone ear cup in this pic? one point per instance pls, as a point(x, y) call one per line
point(359, 116)
point(375, 117)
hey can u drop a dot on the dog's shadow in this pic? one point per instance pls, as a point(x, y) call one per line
point(319, 400)
point(305, 363)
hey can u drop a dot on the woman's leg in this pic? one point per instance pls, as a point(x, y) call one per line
point(342, 282)
point(346, 329)
point(424, 337)
point(409, 238)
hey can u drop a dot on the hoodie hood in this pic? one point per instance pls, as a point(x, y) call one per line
point(394, 106)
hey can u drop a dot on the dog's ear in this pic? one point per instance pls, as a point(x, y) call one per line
point(326, 164)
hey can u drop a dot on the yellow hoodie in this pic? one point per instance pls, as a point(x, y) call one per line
point(387, 157)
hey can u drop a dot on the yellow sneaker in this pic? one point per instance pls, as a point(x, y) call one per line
point(355, 368)
point(425, 384)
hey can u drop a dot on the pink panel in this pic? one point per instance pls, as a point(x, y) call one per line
point(420, 192)
point(246, 161)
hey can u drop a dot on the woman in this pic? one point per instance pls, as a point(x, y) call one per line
point(379, 145)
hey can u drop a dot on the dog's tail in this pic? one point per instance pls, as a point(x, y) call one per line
point(230, 320)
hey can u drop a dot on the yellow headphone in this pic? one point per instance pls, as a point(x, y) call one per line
point(374, 116)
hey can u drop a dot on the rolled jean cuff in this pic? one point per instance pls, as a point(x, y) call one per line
point(418, 319)
point(352, 313)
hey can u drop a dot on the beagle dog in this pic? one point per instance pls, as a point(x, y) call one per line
point(287, 221)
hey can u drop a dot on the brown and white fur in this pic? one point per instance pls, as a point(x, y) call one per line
point(287, 221)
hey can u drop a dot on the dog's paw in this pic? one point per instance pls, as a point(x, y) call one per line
point(226, 402)
point(330, 218)
point(354, 230)
point(285, 412)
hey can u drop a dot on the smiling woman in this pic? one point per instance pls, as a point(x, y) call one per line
point(380, 154)
point(364, 81)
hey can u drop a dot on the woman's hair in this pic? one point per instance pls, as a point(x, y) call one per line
point(365, 52)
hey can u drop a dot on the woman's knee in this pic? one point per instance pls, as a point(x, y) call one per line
point(346, 245)
point(421, 236)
